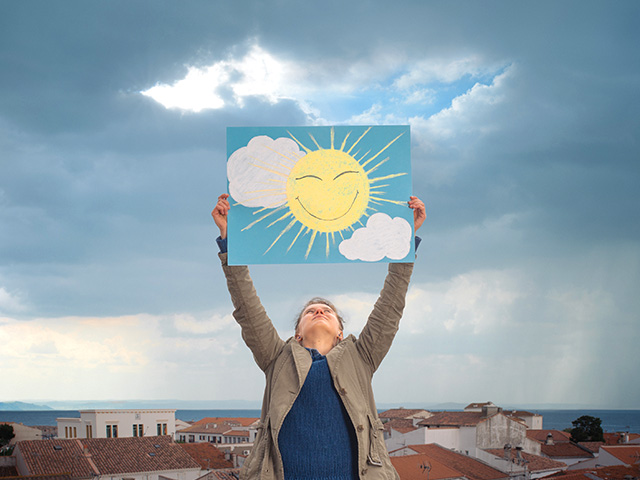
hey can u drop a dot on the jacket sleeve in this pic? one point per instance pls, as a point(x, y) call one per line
point(257, 330)
point(376, 337)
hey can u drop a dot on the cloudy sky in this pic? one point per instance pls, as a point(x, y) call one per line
point(524, 125)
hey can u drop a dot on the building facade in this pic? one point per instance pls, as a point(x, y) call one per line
point(118, 424)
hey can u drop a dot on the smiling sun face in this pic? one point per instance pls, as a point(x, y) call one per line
point(328, 190)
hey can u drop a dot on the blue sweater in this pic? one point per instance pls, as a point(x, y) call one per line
point(317, 440)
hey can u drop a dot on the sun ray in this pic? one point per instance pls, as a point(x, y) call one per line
point(299, 142)
point(375, 187)
point(284, 230)
point(383, 149)
point(286, 157)
point(281, 165)
point(302, 227)
point(344, 142)
point(376, 166)
point(396, 202)
point(327, 250)
point(386, 177)
point(272, 212)
point(316, 142)
point(356, 142)
point(288, 214)
point(256, 197)
point(313, 237)
point(362, 157)
point(270, 170)
point(333, 136)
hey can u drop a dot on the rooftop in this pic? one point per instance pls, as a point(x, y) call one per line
point(207, 455)
point(467, 466)
point(104, 456)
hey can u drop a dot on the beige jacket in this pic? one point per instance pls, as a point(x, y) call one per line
point(286, 363)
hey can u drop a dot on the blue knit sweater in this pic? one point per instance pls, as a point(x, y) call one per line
point(317, 440)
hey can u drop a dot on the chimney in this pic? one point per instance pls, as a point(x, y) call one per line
point(549, 440)
point(507, 452)
point(490, 410)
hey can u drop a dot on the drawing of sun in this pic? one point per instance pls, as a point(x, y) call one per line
point(313, 191)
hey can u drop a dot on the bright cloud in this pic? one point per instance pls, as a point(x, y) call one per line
point(382, 237)
point(468, 113)
point(253, 170)
point(474, 302)
point(58, 355)
point(258, 73)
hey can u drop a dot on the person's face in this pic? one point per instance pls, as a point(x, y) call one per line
point(318, 318)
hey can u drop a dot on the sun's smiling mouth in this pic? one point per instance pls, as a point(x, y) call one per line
point(329, 219)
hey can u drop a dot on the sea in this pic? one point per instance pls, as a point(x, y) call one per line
point(612, 420)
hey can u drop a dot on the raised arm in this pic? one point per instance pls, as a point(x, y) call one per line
point(257, 330)
point(378, 334)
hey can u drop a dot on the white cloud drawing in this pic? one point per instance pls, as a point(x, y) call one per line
point(256, 172)
point(382, 237)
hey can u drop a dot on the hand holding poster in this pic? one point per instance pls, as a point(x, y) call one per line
point(319, 194)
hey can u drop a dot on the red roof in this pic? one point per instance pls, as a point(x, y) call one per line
point(467, 466)
point(541, 435)
point(627, 454)
point(535, 463)
point(454, 419)
point(411, 467)
point(404, 413)
point(400, 425)
point(104, 456)
point(230, 421)
point(207, 455)
point(565, 450)
point(615, 472)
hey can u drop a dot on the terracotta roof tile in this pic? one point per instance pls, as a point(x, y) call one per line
point(411, 467)
point(541, 435)
point(535, 463)
point(467, 466)
point(228, 474)
point(207, 455)
point(232, 421)
point(452, 419)
point(39, 477)
point(627, 454)
point(403, 413)
point(565, 450)
point(400, 425)
point(104, 456)
point(593, 447)
point(237, 433)
point(614, 472)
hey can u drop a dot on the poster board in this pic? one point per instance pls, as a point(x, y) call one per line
point(319, 194)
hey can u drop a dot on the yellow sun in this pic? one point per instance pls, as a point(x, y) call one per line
point(328, 190)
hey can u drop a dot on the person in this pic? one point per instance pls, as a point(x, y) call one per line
point(319, 420)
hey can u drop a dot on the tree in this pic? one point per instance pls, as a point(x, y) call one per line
point(6, 434)
point(587, 429)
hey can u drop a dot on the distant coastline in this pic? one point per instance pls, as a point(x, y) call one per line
point(553, 419)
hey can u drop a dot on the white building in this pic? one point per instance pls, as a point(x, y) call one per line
point(118, 423)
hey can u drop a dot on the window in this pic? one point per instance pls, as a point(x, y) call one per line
point(112, 431)
point(140, 431)
point(108, 431)
point(162, 429)
point(66, 432)
point(137, 430)
point(89, 431)
point(75, 432)
point(115, 431)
